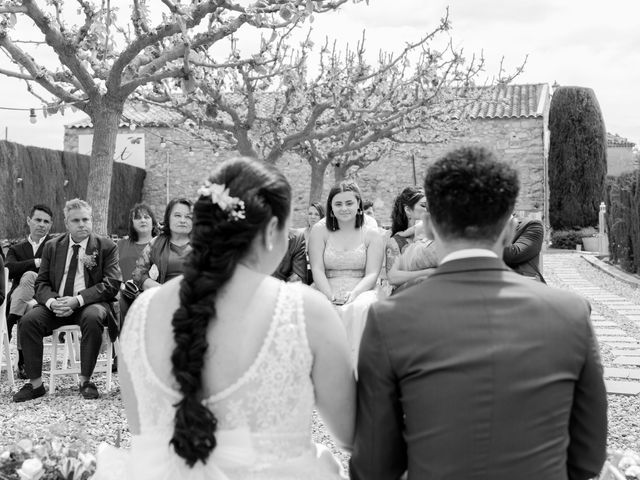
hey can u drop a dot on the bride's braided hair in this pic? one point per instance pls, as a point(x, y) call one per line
point(218, 242)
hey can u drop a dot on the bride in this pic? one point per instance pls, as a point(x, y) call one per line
point(221, 369)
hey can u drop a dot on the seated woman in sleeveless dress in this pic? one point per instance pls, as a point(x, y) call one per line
point(222, 368)
point(346, 259)
point(408, 208)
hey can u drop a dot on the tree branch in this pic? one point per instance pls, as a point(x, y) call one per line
point(38, 74)
point(129, 87)
point(64, 49)
point(19, 75)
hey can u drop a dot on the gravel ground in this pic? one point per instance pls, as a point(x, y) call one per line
point(83, 424)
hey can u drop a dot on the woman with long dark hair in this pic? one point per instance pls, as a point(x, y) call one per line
point(346, 259)
point(408, 254)
point(408, 208)
point(142, 228)
point(223, 367)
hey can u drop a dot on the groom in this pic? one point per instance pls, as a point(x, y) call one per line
point(78, 279)
point(478, 372)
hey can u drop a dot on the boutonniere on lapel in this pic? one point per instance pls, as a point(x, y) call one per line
point(89, 261)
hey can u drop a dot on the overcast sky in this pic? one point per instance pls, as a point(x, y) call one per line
point(586, 43)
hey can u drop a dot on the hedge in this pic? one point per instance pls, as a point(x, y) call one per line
point(577, 158)
point(622, 197)
point(52, 177)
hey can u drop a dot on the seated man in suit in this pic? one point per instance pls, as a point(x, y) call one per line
point(478, 372)
point(78, 279)
point(523, 253)
point(22, 258)
point(293, 267)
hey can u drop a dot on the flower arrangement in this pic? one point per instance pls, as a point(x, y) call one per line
point(47, 460)
point(232, 206)
point(89, 261)
point(621, 465)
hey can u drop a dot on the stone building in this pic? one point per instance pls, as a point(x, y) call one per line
point(620, 156)
point(511, 119)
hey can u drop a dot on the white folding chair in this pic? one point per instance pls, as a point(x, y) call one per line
point(5, 353)
point(70, 364)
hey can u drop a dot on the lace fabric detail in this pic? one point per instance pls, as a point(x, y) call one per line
point(344, 268)
point(155, 400)
point(273, 399)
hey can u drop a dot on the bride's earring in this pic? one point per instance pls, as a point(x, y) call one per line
point(269, 247)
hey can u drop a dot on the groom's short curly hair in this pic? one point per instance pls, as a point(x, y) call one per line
point(471, 194)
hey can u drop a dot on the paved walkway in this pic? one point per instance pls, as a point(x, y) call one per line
point(624, 376)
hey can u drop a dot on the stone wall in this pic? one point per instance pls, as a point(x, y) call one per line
point(171, 171)
point(518, 141)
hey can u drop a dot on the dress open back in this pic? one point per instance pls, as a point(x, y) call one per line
point(264, 418)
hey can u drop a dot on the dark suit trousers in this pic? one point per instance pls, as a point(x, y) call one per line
point(40, 322)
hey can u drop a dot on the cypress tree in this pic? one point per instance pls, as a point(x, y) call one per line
point(577, 158)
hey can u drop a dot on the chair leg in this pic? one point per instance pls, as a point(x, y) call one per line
point(7, 357)
point(74, 351)
point(5, 350)
point(54, 363)
point(109, 363)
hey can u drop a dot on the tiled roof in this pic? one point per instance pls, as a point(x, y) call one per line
point(615, 140)
point(501, 101)
point(509, 101)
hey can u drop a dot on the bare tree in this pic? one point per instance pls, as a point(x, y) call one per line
point(347, 113)
point(102, 60)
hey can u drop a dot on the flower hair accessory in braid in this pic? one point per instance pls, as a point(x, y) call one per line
point(232, 206)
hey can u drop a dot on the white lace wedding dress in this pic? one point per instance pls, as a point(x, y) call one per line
point(264, 418)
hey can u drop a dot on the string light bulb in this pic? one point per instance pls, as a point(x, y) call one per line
point(32, 115)
point(191, 151)
point(163, 144)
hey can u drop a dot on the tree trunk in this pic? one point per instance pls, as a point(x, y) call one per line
point(245, 147)
point(339, 173)
point(105, 123)
point(317, 181)
point(274, 155)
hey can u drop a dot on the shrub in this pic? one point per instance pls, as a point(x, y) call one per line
point(577, 158)
point(622, 197)
point(566, 239)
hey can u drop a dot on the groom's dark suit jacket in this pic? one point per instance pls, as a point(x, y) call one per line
point(479, 373)
point(102, 280)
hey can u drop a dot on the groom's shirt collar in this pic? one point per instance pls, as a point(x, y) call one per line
point(469, 253)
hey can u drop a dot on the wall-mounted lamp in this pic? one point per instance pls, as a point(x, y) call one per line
point(162, 142)
point(65, 183)
point(19, 180)
point(132, 126)
point(32, 115)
